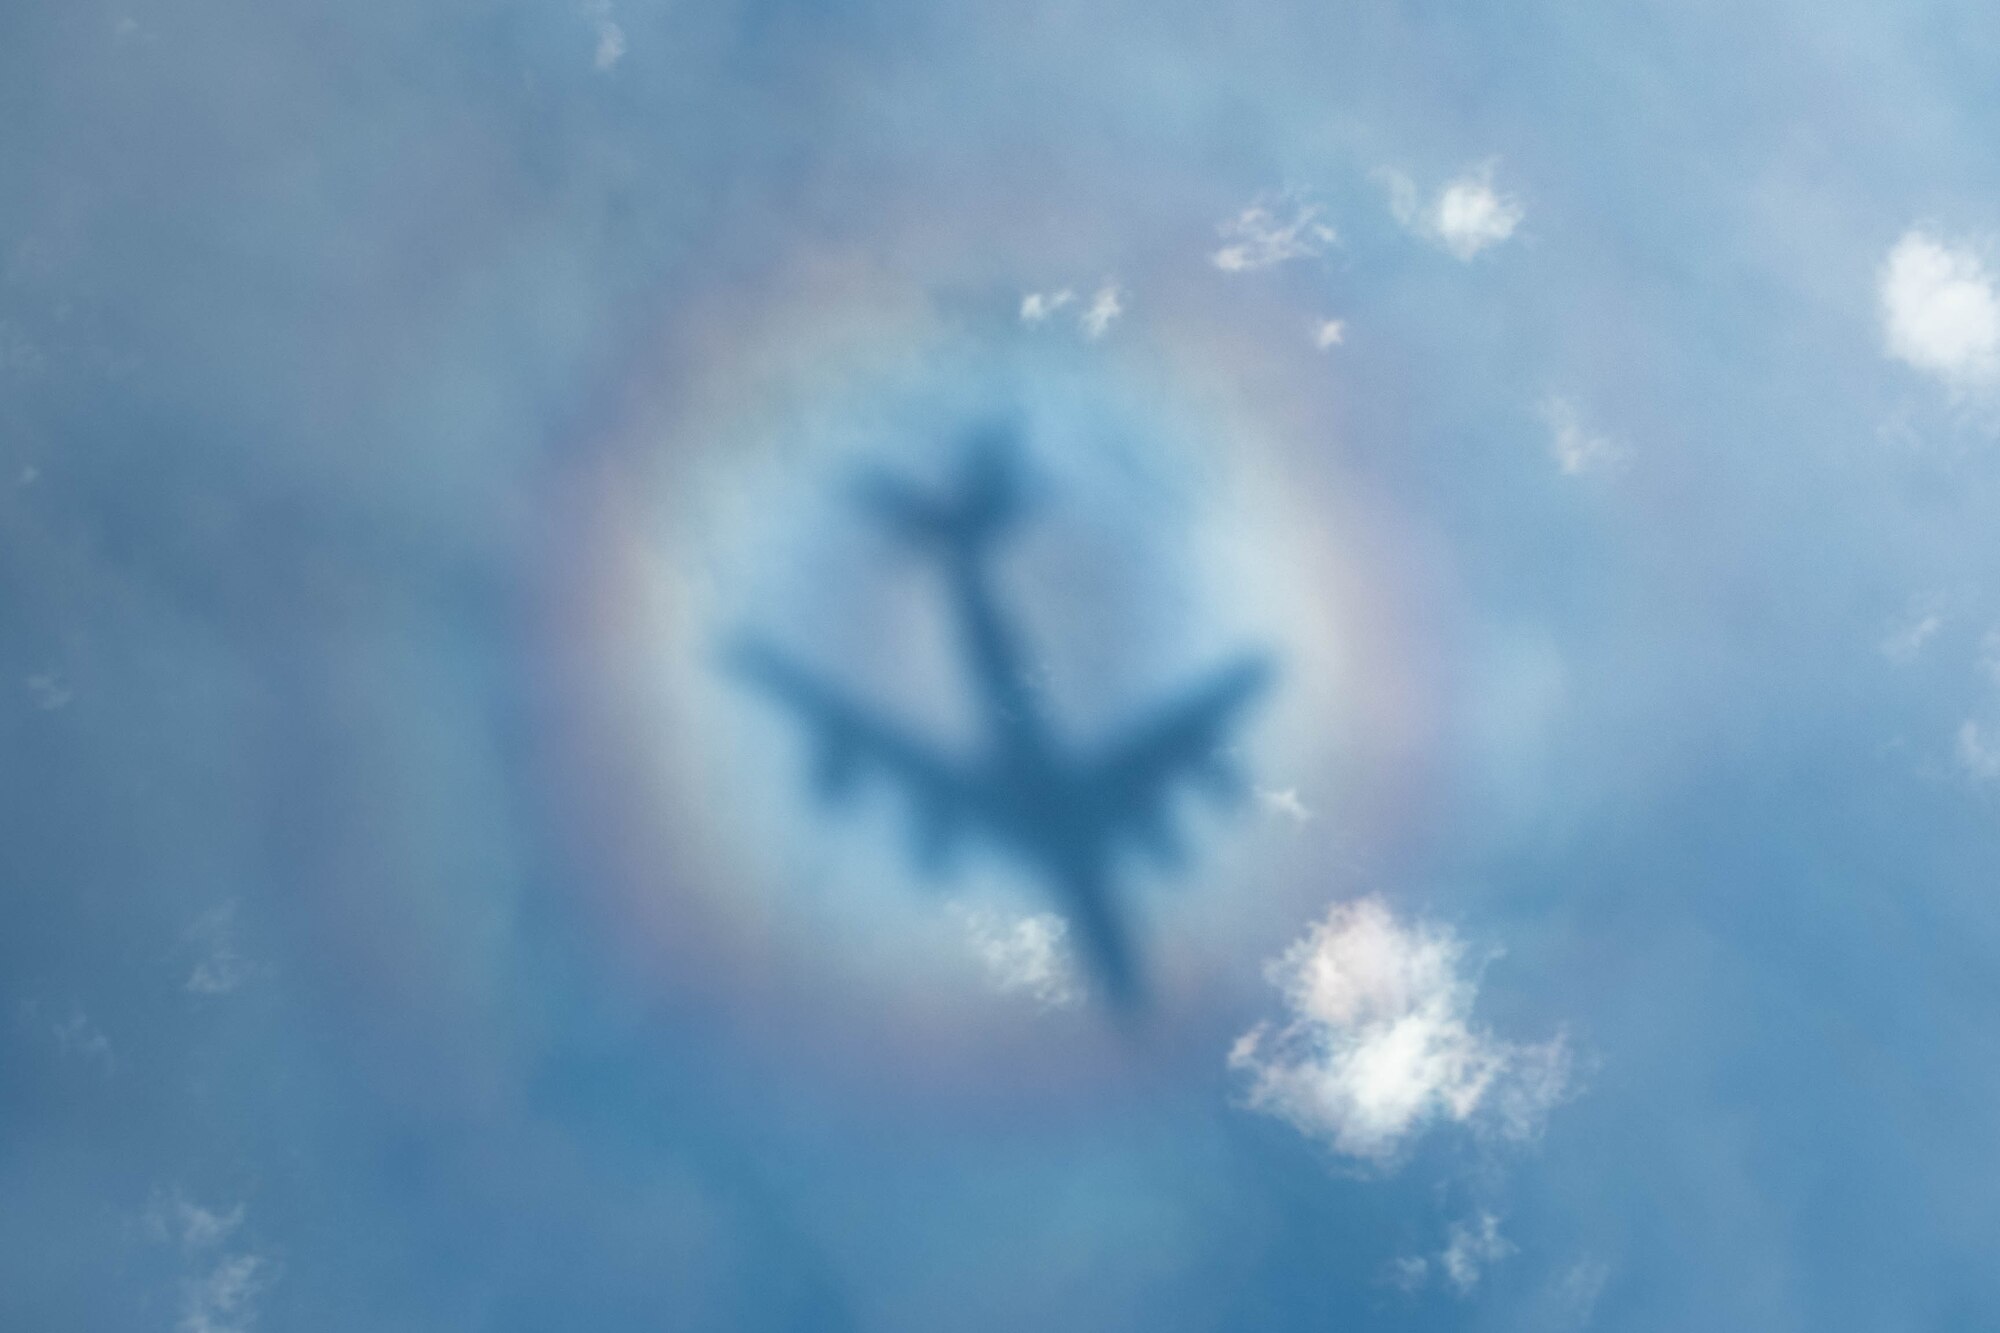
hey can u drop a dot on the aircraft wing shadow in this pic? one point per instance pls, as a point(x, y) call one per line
point(854, 741)
point(1130, 784)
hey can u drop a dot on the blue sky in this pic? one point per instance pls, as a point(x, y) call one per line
point(1591, 411)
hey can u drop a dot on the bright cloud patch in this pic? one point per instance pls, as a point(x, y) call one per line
point(1467, 216)
point(1471, 217)
point(1939, 311)
point(1027, 955)
point(1261, 236)
point(1379, 1043)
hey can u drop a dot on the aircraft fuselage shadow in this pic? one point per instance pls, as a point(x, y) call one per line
point(1065, 814)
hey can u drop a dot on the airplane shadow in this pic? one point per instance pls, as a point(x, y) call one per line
point(1066, 814)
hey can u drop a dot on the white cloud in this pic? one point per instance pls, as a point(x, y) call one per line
point(1259, 237)
point(1105, 307)
point(1467, 216)
point(1379, 1043)
point(1329, 333)
point(1471, 217)
point(1939, 311)
point(1471, 1247)
point(1576, 448)
point(1038, 306)
point(1027, 955)
point(1978, 750)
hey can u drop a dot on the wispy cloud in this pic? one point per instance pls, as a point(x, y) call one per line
point(49, 691)
point(1940, 313)
point(1038, 306)
point(610, 36)
point(78, 1036)
point(1378, 1042)
point(1906, 638)
point(1976, 743)
point(223, 1299)
point(177, 1218)
point(1572, 1296)
point(224, 1281)
point(1467, 216)
point(1471, 1247)
point(1094, 319)
point(1575, 447)
point(1027, 955)
point(1408, 1272)
point(1284, 801)
point(1329, 333)
point(1105, 307)
point(1989, 656)
point(220, 966)
point(1270, 232)
point(74, 1035)
point(1978, 750)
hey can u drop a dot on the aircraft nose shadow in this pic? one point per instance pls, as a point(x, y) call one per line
point(1064, 813)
